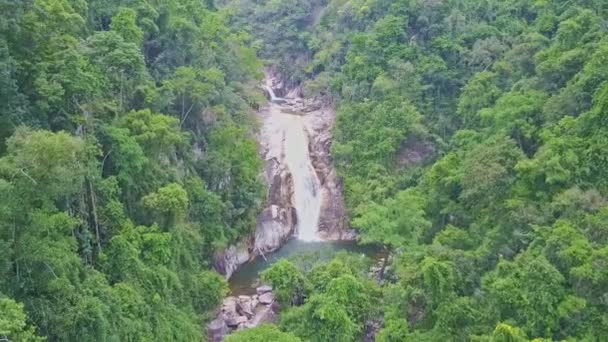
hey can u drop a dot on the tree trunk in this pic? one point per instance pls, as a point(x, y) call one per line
point(384, 263)
point(93, 201)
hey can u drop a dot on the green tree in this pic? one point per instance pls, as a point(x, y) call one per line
point(170, 201)
point(507, 333)
point(288, 283)
point(438, 277)
point(320, 320)
point(13, 104)
point(82, 252)
point(527, 290)
point(395, 223)
point(124, 22)
point(13, 325)
point(480, 92)
point(394, 330)
point(193, 90)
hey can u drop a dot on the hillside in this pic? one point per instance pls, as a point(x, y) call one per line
point(127, 158)
point(470, 141)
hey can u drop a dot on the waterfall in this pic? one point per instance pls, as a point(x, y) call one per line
point(273, 96)
point(291, 137)
point(305, 181)
point(270, 91)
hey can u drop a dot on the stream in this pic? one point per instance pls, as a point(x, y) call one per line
point(289, 136)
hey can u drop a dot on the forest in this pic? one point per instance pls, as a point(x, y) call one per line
point(471, 139)
point(498, 227)
point(127, 158)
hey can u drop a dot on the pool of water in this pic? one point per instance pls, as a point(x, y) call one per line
point(306, 254)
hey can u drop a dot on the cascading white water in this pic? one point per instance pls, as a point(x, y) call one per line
point(284, 138)
point(305, 181)
point(270, 91)
point(294, 144)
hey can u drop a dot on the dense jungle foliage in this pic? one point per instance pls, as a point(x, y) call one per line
point(472, 139)
point(126, 160)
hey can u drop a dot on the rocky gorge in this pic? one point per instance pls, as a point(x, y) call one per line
point(304, 198)
point(278, 221)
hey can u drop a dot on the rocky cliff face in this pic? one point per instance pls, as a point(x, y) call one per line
point(277, 222)
point(319, 121)
point(319, 117)
point(229, 259)
point(333, 224)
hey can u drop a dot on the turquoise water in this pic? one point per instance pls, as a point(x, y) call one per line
point(305, 254)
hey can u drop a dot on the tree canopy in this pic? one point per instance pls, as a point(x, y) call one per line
point(115, 118)
point(470, 139)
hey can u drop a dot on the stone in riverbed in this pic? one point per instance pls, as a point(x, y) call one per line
point(254, 303)
point(236, 321)
point(263, 314)
point(229, 304)
point(217, 329)
point(267, 298)
point(245, 306)
point(263, 289)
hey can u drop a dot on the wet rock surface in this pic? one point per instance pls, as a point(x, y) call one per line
point(319, 120)
point(228, 260)
point(277, 222)
point(275, 226)
point(333, 223)
point(217, 329)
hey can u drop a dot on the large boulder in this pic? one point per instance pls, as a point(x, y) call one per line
point(266, 298)
point(254, 302)
point(263, 314)
point(260, 290)
point(229, 304)
point(246, 306)
point(217, 329)
point(275, 225)
point(234, 322)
